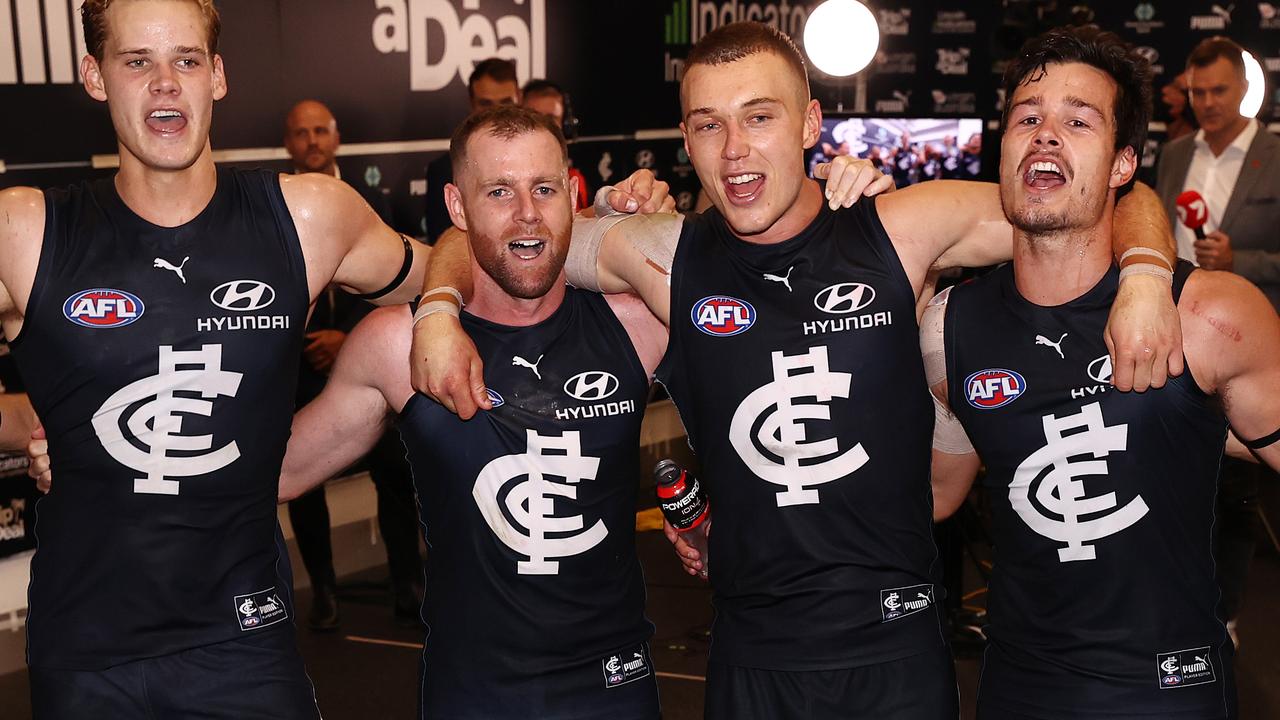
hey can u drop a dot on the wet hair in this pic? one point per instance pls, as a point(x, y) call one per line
point(494, 69)
point(93, 16)
point(735, 41)
point(1099, 49)
point(1209, 50)
point(505, 122)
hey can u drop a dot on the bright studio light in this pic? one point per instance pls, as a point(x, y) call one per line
point(841, 37)
point(1253, 77)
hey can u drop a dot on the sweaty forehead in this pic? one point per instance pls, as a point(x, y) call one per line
point(730, 84)
point(156, 25)
point(1073, 83)
point(529, 155)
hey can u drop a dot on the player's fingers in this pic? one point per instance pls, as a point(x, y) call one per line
point(623, 201)
point(479, 393)
point(668, 205)
point(1142, 362)
point(44, 482)
point(882, 184)
point(1158, 369)
point(653, 202)
point(1121, 364)
point(822, 171)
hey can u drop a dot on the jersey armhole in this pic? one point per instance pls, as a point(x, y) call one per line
point(35, 300)
point(885, 247)
point(289, 231)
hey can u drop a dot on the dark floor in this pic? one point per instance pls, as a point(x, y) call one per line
point(368, 669)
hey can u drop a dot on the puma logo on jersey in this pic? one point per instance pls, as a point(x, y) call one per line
point(177, 270)
point(1042, 340)
point(784, 279)
point(518, 361)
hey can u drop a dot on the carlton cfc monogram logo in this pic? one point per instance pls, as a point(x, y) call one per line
point(779, 450)
point(1060, 490)
point(144, 439)
point(534, 530)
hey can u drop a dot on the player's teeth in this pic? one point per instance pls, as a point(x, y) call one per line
point(740, 179)
point(1043, 166)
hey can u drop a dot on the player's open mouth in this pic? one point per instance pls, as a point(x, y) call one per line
point(744, 188)
point(166, 121)
point(1044, 175)
point(527, 248)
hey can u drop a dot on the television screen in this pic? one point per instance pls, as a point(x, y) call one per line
point(911, 149)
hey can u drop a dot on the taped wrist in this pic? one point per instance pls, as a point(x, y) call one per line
point(584, 251)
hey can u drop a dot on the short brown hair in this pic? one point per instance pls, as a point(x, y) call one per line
point(496, 69)
point(738, 40)
point(501, 121)
point(94, 17)
point(1210, 49)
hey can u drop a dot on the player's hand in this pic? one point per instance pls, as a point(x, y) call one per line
point(1143, 334)
point(849, 178)
point(446, 366)
point(642, 193)
point(1214, 251)
point(38, 454)
point(689, 556)
point(322, 348)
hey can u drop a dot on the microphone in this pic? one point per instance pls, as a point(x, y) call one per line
point(1193, 211)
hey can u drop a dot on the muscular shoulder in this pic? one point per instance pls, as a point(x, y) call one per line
point(1226, 321)
point(310, 194)
point(376, 353)
point(21, 212)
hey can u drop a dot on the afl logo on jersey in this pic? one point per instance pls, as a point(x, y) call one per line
point(495, 398)
point(591, 385)
point(990, 389)
point(103, 308)
point(243, 295)
point(844, 298)
point(723, 316)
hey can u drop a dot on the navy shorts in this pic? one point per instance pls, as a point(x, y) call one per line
point(259, 676)
point(920, 687)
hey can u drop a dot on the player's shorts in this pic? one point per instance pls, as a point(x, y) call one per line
point(620, 685)
point(920, 687)
point(257, 677)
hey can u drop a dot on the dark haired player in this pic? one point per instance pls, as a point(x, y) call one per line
point(1103, 601)
point(535, 600)
point(794, 361)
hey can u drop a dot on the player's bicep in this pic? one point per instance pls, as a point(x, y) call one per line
point(947, 223)
point(1245, 353)
point(329, 434)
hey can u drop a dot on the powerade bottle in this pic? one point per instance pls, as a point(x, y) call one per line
point(684, 505)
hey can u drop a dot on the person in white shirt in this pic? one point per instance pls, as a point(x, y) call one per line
point(1231, 162)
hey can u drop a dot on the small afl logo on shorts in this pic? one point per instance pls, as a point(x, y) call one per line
point(723, 316)
point(495, 398)
point(1184, 668)
point(260, 609)
point(103, 308)
point(993, 388)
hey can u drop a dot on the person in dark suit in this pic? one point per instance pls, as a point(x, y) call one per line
point(312, 139)
point(1231, 161)
point(493, 82)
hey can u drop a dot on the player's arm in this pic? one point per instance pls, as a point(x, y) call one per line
point(346, 420)
point(344, 241)
point(954, 461)
point(954, 223)
point(17, 421)
point(1233, 346)
point(21, 237)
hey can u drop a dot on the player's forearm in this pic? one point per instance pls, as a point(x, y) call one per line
point(1141, 222)
point(449, 265)
point(326, 438)
point(17, 420)
point(963, 221)
point(629, 255)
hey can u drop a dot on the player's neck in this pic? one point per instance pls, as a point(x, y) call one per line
point(490, 302)
point(167, 198)
point(802, 212)
point(1051, 269)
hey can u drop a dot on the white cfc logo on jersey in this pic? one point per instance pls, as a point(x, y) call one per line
point(537, 532)
point(1061, 492)
point(155, 427)
point(782, 433)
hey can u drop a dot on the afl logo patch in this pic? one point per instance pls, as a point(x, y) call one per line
point(243, 295)
point(103, 308)
point(723, 316)
point(844, 298)
point(495, 398)
point(990, 389)
point(591, 385)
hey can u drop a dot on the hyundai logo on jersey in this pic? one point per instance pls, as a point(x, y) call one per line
point(243, 295)
point(103, 308)
point(844, 298)
point(723, 316)
point(993, 388)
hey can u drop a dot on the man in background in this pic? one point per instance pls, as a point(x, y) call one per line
point(548, 98)
point(493, 82)
point(1227, 162)
point(312, 139)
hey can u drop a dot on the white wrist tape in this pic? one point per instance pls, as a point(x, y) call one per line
point(931, 338)
point(601, 203)
point(1146, 269)
point(446, 290)
point(435, 306)
point(1145, 251)
point(584, 250)
point(948, 434)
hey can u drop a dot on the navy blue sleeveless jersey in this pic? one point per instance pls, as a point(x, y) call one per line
point(796, 368)
point(1103, 600)
point(162, 362)
point(535, 598)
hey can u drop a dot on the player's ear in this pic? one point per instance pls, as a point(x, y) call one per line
point(219, 78)
point(453, 201)
point(91, 76)
point(812, 123)
point(1123, 167)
